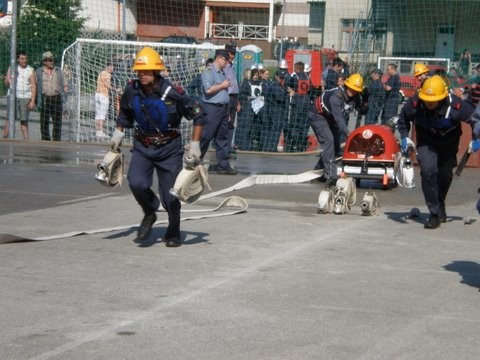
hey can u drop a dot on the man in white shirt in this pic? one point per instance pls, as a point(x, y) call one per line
point(26, 92)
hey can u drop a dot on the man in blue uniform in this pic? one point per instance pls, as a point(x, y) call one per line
point(392, 93)
point(215, 102)
point(437, 116)
point(155, 108)
point(376, 94)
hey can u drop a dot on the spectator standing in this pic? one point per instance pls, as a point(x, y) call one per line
point(155, 109)
point(51, 94)
point(474, 93)
point(215, 101)
point(195, 89)
point(102, 100)
point(392, 93)
point(437, 116)
point(262, 125)
point(26, 92)
point(333, 73)
point(275, 113)
point(249, 90)
point(376, 95)
point(233, 104)
point(296, 129)
point(464, 63)
point(327, 67)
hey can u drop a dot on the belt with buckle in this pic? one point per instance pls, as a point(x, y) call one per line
point(217, 105)
point(157, 139)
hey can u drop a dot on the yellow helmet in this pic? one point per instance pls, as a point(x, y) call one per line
point(148, 59)
point(420, 69)
point(433, 89)
point(355, 82)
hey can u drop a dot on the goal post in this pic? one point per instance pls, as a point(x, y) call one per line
point(407, 64)
point(83, 61)
point(405, 69)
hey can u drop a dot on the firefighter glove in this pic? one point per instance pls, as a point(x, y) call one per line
point(192, 158)
point(474, 145)
point(406, 143)
point(116, 139)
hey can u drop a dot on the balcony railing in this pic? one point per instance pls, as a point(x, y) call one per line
point(239, 31)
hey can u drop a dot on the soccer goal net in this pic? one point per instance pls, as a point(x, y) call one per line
point(85, 59)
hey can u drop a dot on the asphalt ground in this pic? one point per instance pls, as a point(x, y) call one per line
point(279, 281)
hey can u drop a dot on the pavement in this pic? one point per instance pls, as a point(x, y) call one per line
point(278, 281)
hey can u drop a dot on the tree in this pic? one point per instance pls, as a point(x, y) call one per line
point(48, 25)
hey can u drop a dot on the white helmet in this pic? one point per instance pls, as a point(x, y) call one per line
point(307, 68)
point(283, 64)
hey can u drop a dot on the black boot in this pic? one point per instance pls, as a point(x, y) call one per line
point(442, 214)
point(433, 222)
point(146, 226)
point(173, 242)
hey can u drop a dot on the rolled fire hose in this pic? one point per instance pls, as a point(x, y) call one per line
point(229, 206)
point(370, 205)
point(190, 184)
point(325, 202)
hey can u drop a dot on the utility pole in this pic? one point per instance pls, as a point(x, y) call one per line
point(13, 73)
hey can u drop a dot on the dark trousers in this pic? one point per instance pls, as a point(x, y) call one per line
point(390, 108)
point(167, 161)
point(372, 114)
point(244, 133)
point(328, 138)
point(273, 121)
point(216, 127)
point(436, 170)
point(51, 108)
point(296, 128)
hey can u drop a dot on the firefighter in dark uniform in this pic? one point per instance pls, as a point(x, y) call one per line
point(436, 115)
point(155, 108)
point(328, 119)
point(215, 102)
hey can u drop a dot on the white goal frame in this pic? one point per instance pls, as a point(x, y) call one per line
point(83, 60)
point(409, 63)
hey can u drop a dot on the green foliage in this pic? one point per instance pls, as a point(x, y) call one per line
point(48, 25)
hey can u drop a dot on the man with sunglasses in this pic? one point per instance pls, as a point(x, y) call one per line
point(50, 97)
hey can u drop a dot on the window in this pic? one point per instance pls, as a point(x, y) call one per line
point(317, 16)
point(354, 34)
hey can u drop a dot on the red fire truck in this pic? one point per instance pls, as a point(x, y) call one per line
point(316, 58)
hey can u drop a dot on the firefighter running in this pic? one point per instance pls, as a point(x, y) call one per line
point(437, 116)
